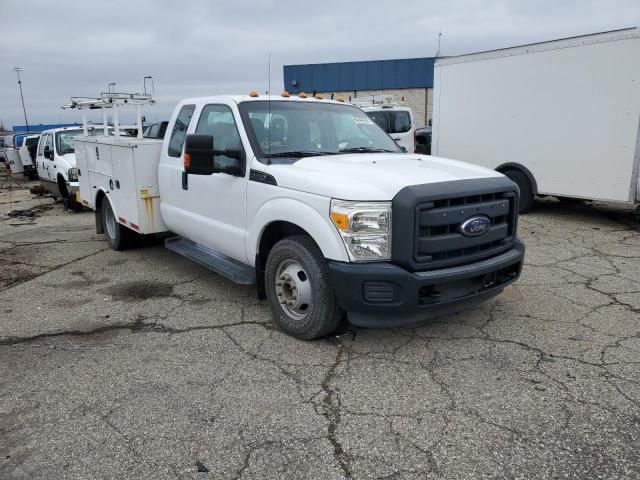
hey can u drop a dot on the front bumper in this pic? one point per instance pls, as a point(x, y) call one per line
point(385, 295)
point(73, 187)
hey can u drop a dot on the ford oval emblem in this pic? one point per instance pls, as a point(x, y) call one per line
point(475, 226)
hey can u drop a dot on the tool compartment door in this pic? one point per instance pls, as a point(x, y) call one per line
point(82, 149)
point(146, 157)
point(122, 185)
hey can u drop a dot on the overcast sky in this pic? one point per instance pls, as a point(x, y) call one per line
point(73, 48)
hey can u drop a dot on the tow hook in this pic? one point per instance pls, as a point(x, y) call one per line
point(489, 280)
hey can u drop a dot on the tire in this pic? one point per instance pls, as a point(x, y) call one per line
point(526, 190)
point(62, 186)
point(118, 236)
point(297, 262)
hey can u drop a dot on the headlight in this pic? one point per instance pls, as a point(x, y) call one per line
point(72, 174)
point(365, 228)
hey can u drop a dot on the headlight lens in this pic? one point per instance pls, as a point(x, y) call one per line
point(365, 228)
point(72, 174)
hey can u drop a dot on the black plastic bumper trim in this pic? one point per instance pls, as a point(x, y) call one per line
point(405, 306)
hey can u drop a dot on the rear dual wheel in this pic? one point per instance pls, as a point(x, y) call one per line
point(118, 236)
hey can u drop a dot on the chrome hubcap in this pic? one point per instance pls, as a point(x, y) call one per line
point(293, 289)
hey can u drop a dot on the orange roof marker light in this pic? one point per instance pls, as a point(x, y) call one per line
point(302, 95)
point(253, 93)
point(340, 98)
point(285, 94)
point(317, 96)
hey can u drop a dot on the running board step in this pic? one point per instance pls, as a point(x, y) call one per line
point(221, 264)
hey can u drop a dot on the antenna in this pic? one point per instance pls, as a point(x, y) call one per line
point(269, 109)
point(438, 51)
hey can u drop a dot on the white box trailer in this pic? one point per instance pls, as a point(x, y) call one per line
point(564, 115)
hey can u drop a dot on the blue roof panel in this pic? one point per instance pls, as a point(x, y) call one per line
point(42, 127)
point(364, 75)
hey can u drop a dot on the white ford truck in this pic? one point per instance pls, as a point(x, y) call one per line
point(311, 201)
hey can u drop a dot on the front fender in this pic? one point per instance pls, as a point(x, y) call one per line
point(318, 226)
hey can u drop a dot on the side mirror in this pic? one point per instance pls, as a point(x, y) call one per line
point(47, 152)
point(198, 154)
point(200, 157)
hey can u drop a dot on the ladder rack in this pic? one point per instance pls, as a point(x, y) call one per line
point(113, 101)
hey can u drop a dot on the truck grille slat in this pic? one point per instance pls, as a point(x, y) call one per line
point(427, 222)
point(438, 241)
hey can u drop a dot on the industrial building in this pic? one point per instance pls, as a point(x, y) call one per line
point(409, 80)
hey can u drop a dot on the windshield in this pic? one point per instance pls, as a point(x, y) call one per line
point(289, 130)
point(64, 139)
point(392, 121)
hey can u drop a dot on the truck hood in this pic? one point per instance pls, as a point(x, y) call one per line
point(378, 176)
point(67, 160)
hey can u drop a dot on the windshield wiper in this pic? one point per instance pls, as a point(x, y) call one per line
point(365, 150)
point(298, 154)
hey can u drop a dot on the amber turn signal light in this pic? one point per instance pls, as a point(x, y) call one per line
point(340, 220)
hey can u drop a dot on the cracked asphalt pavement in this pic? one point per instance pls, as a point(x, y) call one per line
point(141, 364)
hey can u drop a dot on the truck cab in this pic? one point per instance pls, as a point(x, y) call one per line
point(311, 201)
point(56, 161)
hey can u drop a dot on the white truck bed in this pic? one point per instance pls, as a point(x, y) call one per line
point(127, 170)
point(567, 110)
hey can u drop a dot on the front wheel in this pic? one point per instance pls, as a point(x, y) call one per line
point(118, 236)
point(299, 289)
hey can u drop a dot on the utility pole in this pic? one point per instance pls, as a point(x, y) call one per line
point(24, 110)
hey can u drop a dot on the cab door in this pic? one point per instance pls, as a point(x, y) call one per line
point(208, 209)
point(44, 165)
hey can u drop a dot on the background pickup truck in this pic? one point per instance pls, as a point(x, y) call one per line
point(314, 203)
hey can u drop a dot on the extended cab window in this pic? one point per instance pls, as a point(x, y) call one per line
point(179, 132)
point(41, 144)
point(218, 121)
point(48, 142)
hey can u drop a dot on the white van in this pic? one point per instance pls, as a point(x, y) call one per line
point(396, 120)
